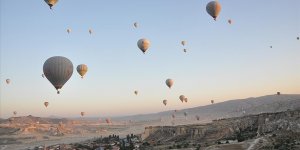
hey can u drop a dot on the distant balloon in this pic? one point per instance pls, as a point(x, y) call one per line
point(271, 46)
point(229, 21)
point(213, 8)
point(184, 50)
point(175, 110)
point(82, 69)
point(58, 70)
point(51, 3)
point(182, 97)
point(186, 99)
point(69, 31)
point(46, 104)
point(297, 38)
point(108, 121)
point(136, 92)
point(183, 43)
point(173, 116)
point(7, 81)
point(212, 101)
point(185, 114)
point(15, 112)
point(136, 25)
point(90, 31)
point(197, 117)
point(165, 102)
point(143, 44)
point(82, 114)
point(169, 83)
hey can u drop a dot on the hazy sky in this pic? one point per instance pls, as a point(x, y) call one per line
point(223, 61)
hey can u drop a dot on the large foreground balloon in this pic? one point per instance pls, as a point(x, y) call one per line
point(169, 82)
point(46, 104)
point(143, 45)
point(213, 8)
point(58, 70)
point(165, 102)
point(7, 81)
point(51, 3)
point(82, 69)
point(182, 97)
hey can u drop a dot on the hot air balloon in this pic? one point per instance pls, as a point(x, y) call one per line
point(90, 31)
point(69, 31)
point(182, 97)
point(212, 101)
point(51, 3)
point(143, 44)
point(82, 114)
point(298, 38)
point(197, 117)
point(108, 121)
point(136, 92)
point(271, 46)
point(165, 102)
point(183, 43)
point(58, 70)
point(7, 81)
point(175, 110)
point(186, 99)
point(229, 21)
point(46, 104)
point(184, 50)
point(82, 69)
point(136, 25)
point(185, 113)
point(15, 112)
point(213, 8)
point(169, 83)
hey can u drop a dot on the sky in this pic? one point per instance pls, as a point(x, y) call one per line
point(222, 62)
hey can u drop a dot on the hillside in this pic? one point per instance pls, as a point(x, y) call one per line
point(272, 129)
point(227, 109)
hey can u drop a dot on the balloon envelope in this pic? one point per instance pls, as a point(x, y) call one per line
point(169, 82)
point(82, 69)
point(165, 102)
point(7, 81)
point(143, 45)
point(213, 8)
point(46, 104)
point(51, 3)
point(136, 25)
point(182, 97)
point(58, 70)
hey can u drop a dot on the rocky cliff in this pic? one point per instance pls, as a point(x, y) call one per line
point(238, 128)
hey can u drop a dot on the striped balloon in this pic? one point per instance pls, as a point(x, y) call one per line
point(58, 70)
point(213, 8)
point(82, 69)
